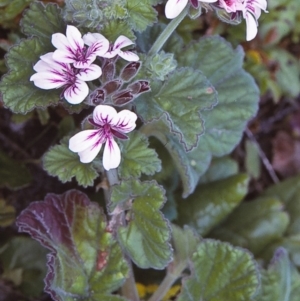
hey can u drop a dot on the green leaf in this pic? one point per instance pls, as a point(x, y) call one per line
point(220, 272)
point(290, 243)
point(252, 160)
point(185, 243)
point(59, 161)
point(220, 168)
point(212, 203)
point(19, 94)
point(27, 256)
point(288, 192)
point(185, 166)
point(287, 74)
point(138, 158)
point(276, 280)
point(254, 225)
point(85, 259)
point(180, 99)
point(13, 175)
point(140, 16)
point(238, 99)
point(114, 28)
point(12, 9)
point(146, 237)
point(42, 21)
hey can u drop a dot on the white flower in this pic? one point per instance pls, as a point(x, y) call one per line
point(250, 9)
point(120, 43)
point(251, 13)
point(71, 49)
point(52, 75)
point(174, 7)
point(109, 124)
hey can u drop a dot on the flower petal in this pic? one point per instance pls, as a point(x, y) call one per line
point(60, 42)
point(124, 121)
point(104, 114)
point(129, 56)
point(47, 80)
point(251, 26)
point(54, 65)
point(111, 54)
point(64, 56)
point(122, 42)
point(77, 92)
point(74, 37)
point(90, 73)
point(89, 154)
point(97, 42)
point(111, 155)
point(91, 38)
point(174, 7)
point(83, 140)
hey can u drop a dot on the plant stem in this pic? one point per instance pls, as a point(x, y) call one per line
point(163, 37)
point(129, 290)
point(164, 287)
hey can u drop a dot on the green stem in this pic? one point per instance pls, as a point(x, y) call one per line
point(163, 37)
point(164, 287)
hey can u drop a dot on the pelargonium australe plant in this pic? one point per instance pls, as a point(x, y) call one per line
point(164, 107)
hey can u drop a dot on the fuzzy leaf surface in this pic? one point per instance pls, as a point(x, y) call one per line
point(211, 203)
point(288, 192)
point(60, 162)
point(85, 259)
point(140, 15)
point(277, 279)
point(253, 225)
point(146, 237)
point(220, 272)
point(19, 94)
point(238, 98)
point(138, 158)
point(180, 99)
point(42, 21)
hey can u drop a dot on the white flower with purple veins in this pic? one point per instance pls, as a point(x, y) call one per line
point(116, 49)
point(174, 7)
point(71, 48)
point(52, 75)
point(251, 11)
point(109, 124)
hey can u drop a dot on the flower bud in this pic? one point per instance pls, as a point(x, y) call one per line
point(112, 86)
point(108, 71)
point(139, 87)
point(130, 71)
point(123, 97)
point(97, 97)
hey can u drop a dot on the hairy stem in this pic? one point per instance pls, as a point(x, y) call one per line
point(163, 37)
point(162, 290)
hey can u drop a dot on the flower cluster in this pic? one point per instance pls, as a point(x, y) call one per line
point(71, 64)
point(108, 124)
point(249, 9)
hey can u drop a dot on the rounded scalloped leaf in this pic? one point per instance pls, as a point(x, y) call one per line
point(180, 98)
point(220, 272)
point(19, 94)
point(146, 237)
point(59, 161)
point(85, 258)
point(137, 157)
